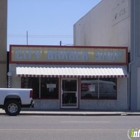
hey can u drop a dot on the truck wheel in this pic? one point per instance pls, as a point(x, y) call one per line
point(12, 108)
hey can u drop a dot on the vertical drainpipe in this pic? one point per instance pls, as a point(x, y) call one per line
point(132, 28)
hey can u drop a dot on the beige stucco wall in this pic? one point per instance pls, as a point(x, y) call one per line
point(3, 43)
point(107, 24)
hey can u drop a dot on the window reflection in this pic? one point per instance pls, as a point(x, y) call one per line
point(89, 88)
point(69, 85)
point(48, 87)
point(31, 82)
point(107, 88)
point(102, 88)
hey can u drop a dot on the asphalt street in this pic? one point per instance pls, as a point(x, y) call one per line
point(44, 127)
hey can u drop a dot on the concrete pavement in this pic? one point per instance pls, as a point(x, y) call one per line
point(74, 112)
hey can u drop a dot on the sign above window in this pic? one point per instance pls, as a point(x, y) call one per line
point(67, 54)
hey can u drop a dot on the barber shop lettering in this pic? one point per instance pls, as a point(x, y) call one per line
point(52, 55)
point(107, 55)
point(91, 55)
point(27, 54)
point(68, 55)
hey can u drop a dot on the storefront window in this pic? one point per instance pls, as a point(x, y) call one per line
point(89, 88)
point(43, 88)
point(31, 82)
point(107, 88)
point(49, 88)
point(98, 88)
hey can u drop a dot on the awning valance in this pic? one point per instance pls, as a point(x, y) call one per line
point(83, 71)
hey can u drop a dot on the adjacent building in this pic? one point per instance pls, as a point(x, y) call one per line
point(3, 43)
point(107, 24)
point(134, 66)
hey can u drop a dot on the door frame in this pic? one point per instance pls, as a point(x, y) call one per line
point(61, 93)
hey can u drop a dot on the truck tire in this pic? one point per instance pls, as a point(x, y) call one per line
point(12, 108)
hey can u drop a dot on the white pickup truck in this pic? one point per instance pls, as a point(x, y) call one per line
point(13, 99)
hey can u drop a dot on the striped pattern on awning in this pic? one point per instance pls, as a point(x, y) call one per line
point(83, 71)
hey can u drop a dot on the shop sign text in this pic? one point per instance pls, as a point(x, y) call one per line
point(69, 55)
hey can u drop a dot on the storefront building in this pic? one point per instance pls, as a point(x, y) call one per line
point(72, 77)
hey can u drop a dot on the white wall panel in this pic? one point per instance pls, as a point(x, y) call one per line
point(107, 24)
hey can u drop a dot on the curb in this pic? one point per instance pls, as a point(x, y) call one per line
point(78, 114)
point(74, 113)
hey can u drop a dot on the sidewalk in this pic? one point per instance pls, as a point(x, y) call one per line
point(75, 113)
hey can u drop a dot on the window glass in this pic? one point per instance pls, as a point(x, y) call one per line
point(107, 88)
point(89, 88)
point(99, 88)
point(49, 88)
point(31, 82)
point(69, 85)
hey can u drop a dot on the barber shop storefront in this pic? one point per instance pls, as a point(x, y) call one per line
point(72, 77)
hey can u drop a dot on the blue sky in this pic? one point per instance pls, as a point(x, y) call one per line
point(47, 21)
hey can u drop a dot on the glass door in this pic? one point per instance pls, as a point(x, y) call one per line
point(69, 93)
